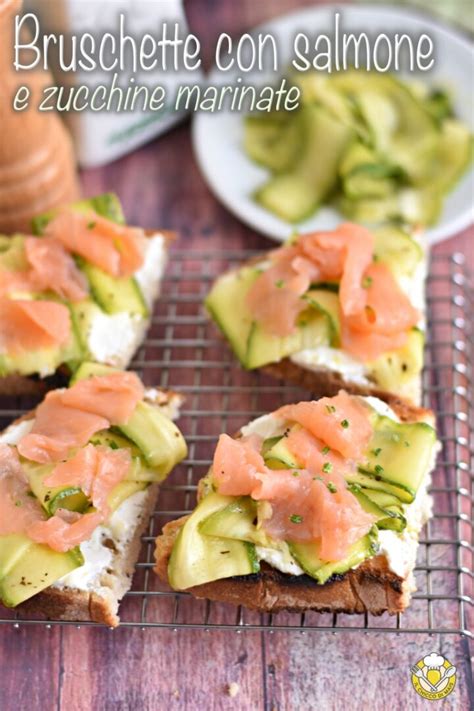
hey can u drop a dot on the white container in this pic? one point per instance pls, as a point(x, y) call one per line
point(103, 136)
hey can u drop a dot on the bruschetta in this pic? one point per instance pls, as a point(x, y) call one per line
point(317, 506)
point(81, 288)
point(79, 478)
point(331, 310)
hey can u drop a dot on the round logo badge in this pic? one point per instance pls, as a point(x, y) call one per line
point(433, 677)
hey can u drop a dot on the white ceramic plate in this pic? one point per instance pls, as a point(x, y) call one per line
point(233, 177)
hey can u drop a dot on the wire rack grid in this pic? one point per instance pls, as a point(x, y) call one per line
point(183, 351)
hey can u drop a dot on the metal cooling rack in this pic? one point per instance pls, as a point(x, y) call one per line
point(183, 352)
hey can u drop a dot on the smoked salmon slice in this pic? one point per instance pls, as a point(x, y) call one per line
point(95, 470)
point(65, 530)
point(236, 463)
point(18, 510)
point(54, 269)
point(312, 502)
point(114, 396)
point(57, 429)
point(341, 422)
point(383, 324)
point(116, 249)
point(14, 284)
point(275, 297)
point(98, 471)
point(69, 418)
point(371, 302)
point(28, 325)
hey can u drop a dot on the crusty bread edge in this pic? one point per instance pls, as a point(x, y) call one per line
point(15, 384)
point(371, 587)
point(326, 382)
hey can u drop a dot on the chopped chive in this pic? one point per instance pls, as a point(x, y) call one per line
point(279, 283)
point(295, 473)
point(91, 225)
point(345, 424)
point(331, 487)
point(327, 467)
point(17, 503)
point(407, 444)
point(113, 445)
point(330, 408)
point(366, 282)
point(296, 518)
point(378, 469)
point(377, 451)
point(325, 450)
point(318, 478)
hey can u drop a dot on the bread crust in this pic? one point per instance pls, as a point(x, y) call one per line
point(14, 384)
point(325, 382)
point(371, 587)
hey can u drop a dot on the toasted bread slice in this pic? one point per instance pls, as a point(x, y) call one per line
point(93, 591)
point(17, 384)
point(371, 587)
point(320, 368)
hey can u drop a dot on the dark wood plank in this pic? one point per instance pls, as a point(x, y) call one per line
point(154, 670)
point(30, 663)
point(356, 671)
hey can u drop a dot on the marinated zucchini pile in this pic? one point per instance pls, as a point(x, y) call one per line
point(377, 148)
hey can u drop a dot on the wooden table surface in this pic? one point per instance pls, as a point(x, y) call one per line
point(94, 669)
